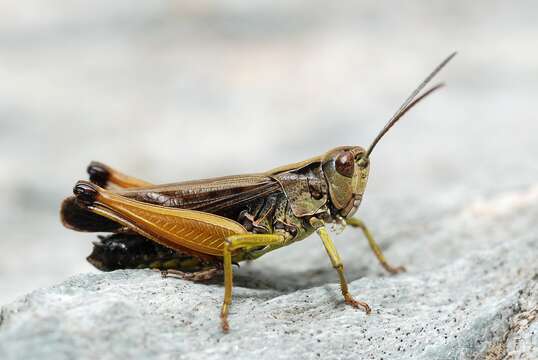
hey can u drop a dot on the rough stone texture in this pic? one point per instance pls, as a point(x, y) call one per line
point(471, 292)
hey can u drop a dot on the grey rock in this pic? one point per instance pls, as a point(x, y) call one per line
point(471, 292)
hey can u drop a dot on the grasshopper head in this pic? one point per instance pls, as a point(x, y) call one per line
point(346, 172)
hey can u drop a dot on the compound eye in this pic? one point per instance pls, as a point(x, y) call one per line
point(345, 164)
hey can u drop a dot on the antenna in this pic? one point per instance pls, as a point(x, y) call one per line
point(410, 102)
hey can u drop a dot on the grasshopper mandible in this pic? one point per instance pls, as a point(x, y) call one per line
point(197, 229)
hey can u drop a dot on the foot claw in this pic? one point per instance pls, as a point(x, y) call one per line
point(358, 304)
point(396, 270)
point(225, 326)
point(164, 273)
point(224, 317)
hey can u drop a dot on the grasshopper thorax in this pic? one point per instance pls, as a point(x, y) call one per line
point(346, 171)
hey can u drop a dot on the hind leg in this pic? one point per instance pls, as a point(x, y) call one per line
point(104, 176)
point(202, 275)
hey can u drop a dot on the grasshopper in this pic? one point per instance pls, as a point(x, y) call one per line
point(197, 229)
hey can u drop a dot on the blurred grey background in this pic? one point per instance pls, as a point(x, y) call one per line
point(171, 91)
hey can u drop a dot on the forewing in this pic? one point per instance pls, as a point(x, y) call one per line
point(209, 195)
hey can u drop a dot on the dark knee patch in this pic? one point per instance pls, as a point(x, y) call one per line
point(99, 173)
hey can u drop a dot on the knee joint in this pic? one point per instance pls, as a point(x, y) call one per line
point(338, 266)
point(227, 245)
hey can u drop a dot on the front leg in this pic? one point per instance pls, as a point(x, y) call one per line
point(375, 248)
point(337, 264)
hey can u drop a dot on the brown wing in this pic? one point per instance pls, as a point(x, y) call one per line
point(209, 195)
point(216, 195)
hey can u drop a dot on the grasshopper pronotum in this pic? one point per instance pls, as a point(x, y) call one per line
point(197, 229)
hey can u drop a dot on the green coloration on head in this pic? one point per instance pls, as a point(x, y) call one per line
point(346, 173)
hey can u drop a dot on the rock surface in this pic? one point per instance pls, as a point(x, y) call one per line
point(471, 292)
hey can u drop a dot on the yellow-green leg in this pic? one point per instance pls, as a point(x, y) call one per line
point(375, 248)
point(231, 244)
point(337, 264)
